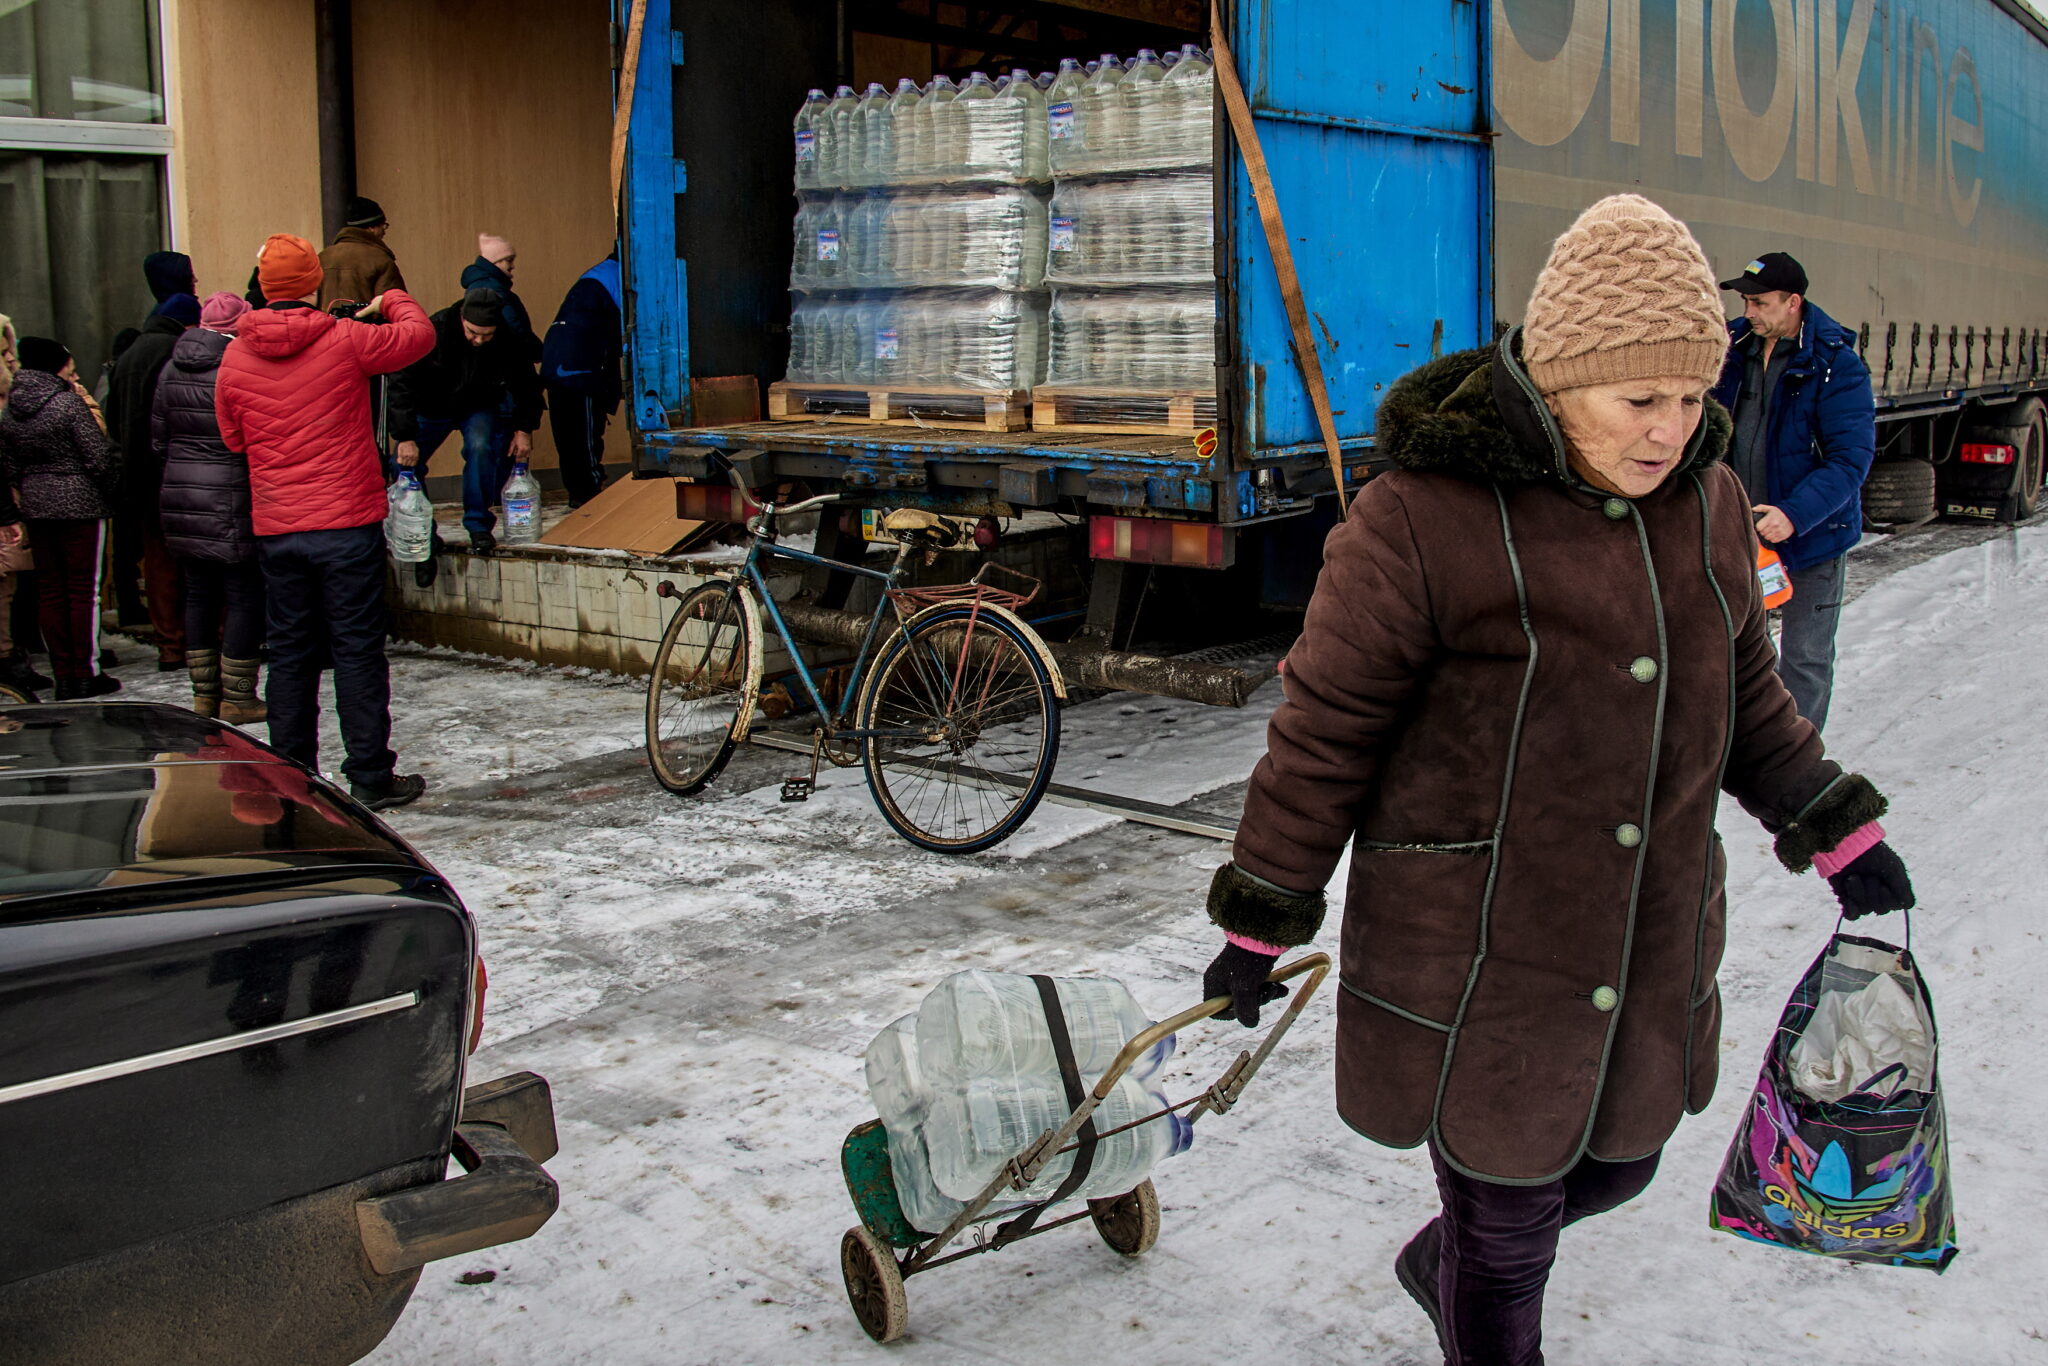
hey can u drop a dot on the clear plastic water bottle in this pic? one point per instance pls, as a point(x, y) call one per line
point(834, 127)
point(1027, 118)
point(976, 1127)
point(1101, 111)
point(1139, 106)
point(941, 151)
point(865, 163)
point(904, 128)
point(979, 113)
point(980, 1023)
point(1188, 113)
point(807, 140)
point(521, 501)
point(1065, 136)
point(409, 524)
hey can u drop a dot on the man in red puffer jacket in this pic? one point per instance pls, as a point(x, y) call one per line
point(294, 396)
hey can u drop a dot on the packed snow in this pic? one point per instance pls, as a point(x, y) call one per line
point(697, 979)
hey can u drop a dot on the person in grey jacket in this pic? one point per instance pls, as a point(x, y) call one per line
point(63, 469)
point(203, 504)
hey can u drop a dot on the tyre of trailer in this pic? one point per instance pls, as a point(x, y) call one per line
point(1899, 493)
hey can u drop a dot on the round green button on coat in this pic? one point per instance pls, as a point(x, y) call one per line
point(1643, 670)
point(1628, 835)
point(1615, 508)
point(1605, 998)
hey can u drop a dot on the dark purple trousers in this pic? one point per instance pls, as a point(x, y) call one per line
point(1498, 1246)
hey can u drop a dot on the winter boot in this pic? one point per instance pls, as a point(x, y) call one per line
point(396, 790)
point(1415, 1268)
point(84, 689)
point(16, 672)
point(204, 666)
point(240, 705)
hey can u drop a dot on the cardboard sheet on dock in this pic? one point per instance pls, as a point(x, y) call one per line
point(637, 515)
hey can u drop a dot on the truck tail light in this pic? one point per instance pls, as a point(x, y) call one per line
point(478, 986)
point(1151, 540)
point(1980, 453)
point(712, 503)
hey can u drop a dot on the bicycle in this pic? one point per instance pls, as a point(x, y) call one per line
point(957, 721)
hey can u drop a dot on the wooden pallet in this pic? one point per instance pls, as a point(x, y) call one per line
point(986, 410)
point(1140, 412)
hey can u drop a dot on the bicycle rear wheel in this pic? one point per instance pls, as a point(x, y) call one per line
point(706, 679)
point(964, 730)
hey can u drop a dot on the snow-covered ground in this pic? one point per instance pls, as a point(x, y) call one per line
point(698, 978)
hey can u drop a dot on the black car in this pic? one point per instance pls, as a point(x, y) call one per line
point(235, 1012)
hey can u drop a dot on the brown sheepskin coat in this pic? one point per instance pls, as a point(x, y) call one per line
point(1518, 700)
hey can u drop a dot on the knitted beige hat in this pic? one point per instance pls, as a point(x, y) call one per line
point(1626, 294)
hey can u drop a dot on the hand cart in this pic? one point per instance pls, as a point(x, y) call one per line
point(1129, 1223)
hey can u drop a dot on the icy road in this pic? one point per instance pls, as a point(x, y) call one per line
point(697, 979)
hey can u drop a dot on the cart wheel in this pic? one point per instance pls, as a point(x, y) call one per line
point(1128, 1223)
point(874, 1284)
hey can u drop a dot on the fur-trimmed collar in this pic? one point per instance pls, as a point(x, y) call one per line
point(1474, 414)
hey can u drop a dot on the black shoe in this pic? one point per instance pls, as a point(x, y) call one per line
point(79, 689)
point(482, 542)
point(1415, 1268)
point(17, 672)
point(172, 665)
point(400, 789)
point(109, 660)
point(426, 571)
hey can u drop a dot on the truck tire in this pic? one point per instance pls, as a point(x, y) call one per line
point(2023, 426)
point(1899, 492)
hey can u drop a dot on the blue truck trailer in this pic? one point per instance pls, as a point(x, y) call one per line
point(1422, 157)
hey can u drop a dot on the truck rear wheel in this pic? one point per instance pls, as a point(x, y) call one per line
point(1899, 492)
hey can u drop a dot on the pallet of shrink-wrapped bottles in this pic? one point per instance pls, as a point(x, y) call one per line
point(1009, 252)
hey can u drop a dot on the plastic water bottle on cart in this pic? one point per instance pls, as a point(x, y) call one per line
point(409, 525)
point(1017, 1098)
point(521, 501)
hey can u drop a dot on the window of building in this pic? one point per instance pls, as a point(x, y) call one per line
point(83, 145)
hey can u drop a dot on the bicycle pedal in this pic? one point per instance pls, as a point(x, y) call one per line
point(798, 790)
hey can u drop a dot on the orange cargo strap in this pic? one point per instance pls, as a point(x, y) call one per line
point(622, 115)
point(1239, 112)
point(1772, 577)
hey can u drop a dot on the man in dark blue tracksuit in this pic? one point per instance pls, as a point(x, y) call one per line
point(1805, 434)
point(579, 366)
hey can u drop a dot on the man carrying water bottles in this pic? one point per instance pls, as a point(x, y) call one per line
point(1805, 433)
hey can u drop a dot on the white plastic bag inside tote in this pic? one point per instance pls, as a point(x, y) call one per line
point(1858, 1032)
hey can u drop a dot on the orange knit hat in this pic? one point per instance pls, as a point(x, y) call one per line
point(287, 267)
point(1625, 295)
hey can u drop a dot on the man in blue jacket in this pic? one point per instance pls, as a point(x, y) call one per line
point(1805, 433)
point(579, 366)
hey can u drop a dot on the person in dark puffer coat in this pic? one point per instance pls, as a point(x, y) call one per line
point(204, 503)
point(54, 456)
point(139, 551)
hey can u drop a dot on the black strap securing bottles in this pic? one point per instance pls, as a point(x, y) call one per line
point(1070, 1078)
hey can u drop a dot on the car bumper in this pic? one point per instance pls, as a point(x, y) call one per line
point(507, 1129)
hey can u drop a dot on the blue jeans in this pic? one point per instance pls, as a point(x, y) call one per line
point(486, 465)
point(325, 598)
point(1806, 649)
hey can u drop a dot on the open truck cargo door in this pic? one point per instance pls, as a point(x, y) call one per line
point(1373, 124)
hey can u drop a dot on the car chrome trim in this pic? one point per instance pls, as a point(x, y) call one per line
point(207, 1048)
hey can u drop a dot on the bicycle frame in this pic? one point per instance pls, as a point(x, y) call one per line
point(750, 572)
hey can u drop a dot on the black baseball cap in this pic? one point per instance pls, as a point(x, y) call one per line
point(1772, 270)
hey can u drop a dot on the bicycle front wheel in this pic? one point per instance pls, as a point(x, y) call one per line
point(706, 679)
point(963, 729)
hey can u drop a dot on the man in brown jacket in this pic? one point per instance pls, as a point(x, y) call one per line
point(358, 265)
point(1536, 656)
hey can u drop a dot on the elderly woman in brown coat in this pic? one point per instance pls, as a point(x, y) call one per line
point(1536, 656)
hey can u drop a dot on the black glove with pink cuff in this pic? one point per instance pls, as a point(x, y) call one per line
point(1837, 833)
point(1261, 922)
point(1868, 877)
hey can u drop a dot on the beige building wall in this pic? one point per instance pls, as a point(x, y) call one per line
point(245, 158)
point(488, 115)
